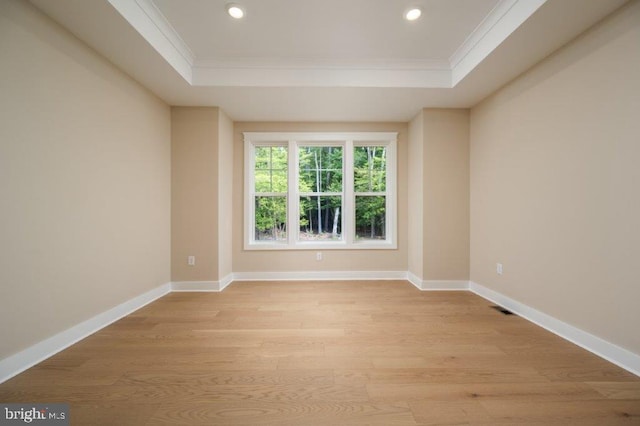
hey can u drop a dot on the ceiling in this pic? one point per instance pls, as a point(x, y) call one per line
point(330, 60)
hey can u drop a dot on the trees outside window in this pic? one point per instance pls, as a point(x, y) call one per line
point(320, 190)
point(270, 186)
point(369, 181)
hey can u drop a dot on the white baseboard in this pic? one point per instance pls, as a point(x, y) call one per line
point(225, 282)
point(445, 285)
point(204, 286)
point(415, 280)
point(437, 285)
point(17, 363)
point(186, 286)
point(320, 276)
point(607, 350)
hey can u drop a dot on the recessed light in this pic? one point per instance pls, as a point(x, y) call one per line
point(412, 13)
point(235, 11)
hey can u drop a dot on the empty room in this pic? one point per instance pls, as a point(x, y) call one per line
point(299, 212)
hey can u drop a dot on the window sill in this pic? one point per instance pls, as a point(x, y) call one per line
point(284, 246)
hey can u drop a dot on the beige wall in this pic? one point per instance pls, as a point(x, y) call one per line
point(84, 182)
point(194, 193)
point(555, 184)
point(415, 201)
point(446, 194)
point(225, 195)
point(202, 193)
point(439, 195)
point(333, 260)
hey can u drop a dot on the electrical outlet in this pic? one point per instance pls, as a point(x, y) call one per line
point(191, 260)
point(318, 256)
point(499, 268)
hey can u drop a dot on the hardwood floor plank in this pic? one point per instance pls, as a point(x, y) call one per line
point(242, 377)
point(323, 362)
point(438, 375)
point(481, 391)
point(321, 414)
point(595, 412)
point(587, 373)
point(283, 348)
point(349, 348)
point(449, 412)
point(69, 377)
point(618, 390)
point(275, 333)
point(101, 414)
point(205, 360)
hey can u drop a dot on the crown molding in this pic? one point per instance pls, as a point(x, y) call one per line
point(320, 77)
point(325, 63)
point(307, 72)
point(495, 28)
point(150, 23)
point(481, 31)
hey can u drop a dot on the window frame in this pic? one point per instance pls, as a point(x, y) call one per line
point(295, 140)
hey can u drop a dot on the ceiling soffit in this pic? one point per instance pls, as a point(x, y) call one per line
point(498, 25)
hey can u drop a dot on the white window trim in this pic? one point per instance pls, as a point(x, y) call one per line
point(348, 140)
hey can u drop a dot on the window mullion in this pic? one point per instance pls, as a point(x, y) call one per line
point(293, 198)
point(349, 215)
point(249, 186)
point(391, 191)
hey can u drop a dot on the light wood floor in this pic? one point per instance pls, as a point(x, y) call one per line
point(329, 353)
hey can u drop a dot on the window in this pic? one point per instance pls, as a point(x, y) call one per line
point(320, 191)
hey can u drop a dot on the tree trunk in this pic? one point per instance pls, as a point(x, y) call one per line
point(335, 222)
point(383, 166)
point(270, 169)
point(326, 218)
point(274, 228)
point(373, 227)
point(370, 158)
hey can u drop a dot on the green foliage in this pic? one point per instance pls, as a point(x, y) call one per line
point(369, 169)
point(270, 176)
point(271, 218)
point(321, 171)
point(370, 217)
point(270, 169)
